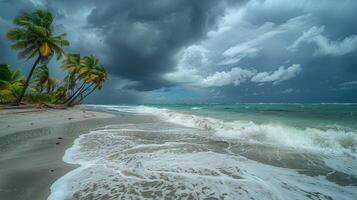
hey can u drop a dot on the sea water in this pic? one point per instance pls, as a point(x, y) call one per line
point(238, 151)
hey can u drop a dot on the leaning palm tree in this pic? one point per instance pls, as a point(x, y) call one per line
point(92, 75)
point(71, 64)
point(94, 80)
point(60, 94)
point(87, 65)
point(43, 79)
point(98, 77)
point(34, 36)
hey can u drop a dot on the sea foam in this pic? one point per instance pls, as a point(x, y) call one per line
point(118, 162)
point(329, 141)
point(196, 159)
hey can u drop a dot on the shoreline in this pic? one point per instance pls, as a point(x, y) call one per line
point(33, 142)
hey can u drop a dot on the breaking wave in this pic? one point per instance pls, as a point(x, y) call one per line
point(330, 140)
point(184, 156)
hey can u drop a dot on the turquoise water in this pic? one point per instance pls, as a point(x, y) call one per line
point(300, 115)
point(217, 151)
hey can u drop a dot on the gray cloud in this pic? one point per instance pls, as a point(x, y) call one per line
point(143, 37)
point(180, 49)
point(277, 76)
point(324, 45)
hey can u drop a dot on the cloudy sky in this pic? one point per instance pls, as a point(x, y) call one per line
point(208, 51)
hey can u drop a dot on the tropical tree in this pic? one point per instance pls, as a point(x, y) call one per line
point(11, 82)
point(60, 94)
point(87, 64)
point(97, 77)
point(43, 79)
point(92, 75)
point(71, 64)
point(34, 36)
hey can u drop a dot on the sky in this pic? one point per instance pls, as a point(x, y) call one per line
point(207, 51)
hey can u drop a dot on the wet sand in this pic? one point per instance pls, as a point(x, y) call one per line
point(33, 142)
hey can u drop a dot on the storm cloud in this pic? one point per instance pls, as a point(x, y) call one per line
point(208, 50)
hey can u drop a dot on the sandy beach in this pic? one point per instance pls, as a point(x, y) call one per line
point(177, 152)
point(33, 142)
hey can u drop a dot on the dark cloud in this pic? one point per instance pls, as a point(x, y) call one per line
point(8, 10)
point(142, 37)
point(207, 50)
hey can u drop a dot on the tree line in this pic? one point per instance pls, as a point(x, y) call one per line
point(34, 38)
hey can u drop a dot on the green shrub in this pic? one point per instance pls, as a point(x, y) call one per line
point(6, 97)
point(39, 98)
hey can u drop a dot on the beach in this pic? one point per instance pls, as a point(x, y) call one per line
point(33, 142)
point(228, 151)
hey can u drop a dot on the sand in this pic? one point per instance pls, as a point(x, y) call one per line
point(33, 142)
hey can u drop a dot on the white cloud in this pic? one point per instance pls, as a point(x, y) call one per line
point(194, 56)
point(235, 76)
point(325, 46)
point(190, 60)
point(250, 48)
point(281, 74)
point(231, 18)
point(218, 79)
point(235, 39)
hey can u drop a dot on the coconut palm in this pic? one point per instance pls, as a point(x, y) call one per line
point(92, 75)
point(60, 94)
point(34, 37)
point(87, 65)
point(43, 79)
point(11, 82)
point(98, 77)
point(71, 64)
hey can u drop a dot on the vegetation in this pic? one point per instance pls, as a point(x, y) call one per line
point(43, 80)
point(11, 83)
point(33, 37)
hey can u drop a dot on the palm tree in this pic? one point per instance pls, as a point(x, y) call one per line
point(11, 82)
point(34, 36)
point(60, 94)
point(43, 79)
point(71, 63)
point(93, 76)
point(87, 64)
point(98, 77)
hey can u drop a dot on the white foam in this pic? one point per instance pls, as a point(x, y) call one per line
point(158, 160)
point(330, 141)
point(116, 162)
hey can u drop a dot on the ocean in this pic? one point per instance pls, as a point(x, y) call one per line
point(217, 151)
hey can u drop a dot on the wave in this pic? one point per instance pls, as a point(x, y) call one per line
point(117, 162)
point(327, 140)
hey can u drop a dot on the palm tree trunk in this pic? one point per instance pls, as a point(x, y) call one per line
point(74, 94)
point(69, 77)
point(87, 94)
point(18, 100)
point(81, 92)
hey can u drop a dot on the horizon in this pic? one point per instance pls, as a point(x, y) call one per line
point(207, 52)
